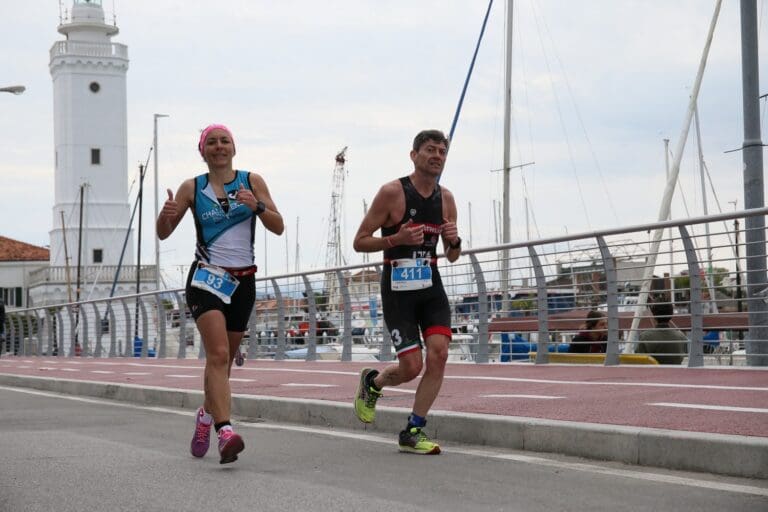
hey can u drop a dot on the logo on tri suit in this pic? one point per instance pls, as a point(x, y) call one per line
point(413, 212)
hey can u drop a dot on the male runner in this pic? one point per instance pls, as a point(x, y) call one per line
point(413, 212)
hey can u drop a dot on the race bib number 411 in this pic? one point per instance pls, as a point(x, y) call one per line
point(411, 274)
point(216, 281)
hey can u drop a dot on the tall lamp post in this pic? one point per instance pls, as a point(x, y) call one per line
point(13, 89)
point(157, 211)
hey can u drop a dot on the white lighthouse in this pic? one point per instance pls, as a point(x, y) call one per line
point(90, 159)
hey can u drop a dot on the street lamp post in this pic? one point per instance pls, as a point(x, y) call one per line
point(157, 212)
point(13, 89)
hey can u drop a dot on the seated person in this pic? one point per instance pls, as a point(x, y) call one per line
point(593, 339)
point(664, 339)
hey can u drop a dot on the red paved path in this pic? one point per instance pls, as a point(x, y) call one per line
point(621, 395)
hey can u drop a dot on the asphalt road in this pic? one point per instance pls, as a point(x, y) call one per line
point(64, 453)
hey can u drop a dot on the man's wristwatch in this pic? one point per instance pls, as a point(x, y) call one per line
point(260, 208)
point(456, 245)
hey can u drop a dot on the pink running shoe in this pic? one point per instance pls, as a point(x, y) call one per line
point(202, 438)
point(230, 444)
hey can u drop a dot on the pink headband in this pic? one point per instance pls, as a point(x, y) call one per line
point(208, 129)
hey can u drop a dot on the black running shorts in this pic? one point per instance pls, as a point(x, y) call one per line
point(236, 313)
point(411, 314)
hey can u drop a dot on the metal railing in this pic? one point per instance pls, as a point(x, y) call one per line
point(533, 312)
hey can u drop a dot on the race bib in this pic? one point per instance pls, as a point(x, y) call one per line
point(411, 274)
point(216, 281)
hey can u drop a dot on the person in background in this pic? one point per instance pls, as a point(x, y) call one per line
point(666, 343)
point(413, 213)
point(220, 290)
point(594, 339)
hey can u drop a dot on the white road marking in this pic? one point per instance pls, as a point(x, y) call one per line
point(447, 377)
point(611, 471)
point(181, 376)
point(70, 369)
point(308, 385)
point(233, 379)
point(606, 383)
point(534, 397)
point(400, 390)
point(137, 373)
point(104, 372)
point(711, 407)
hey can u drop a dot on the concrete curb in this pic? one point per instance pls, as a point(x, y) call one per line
point(741, 456)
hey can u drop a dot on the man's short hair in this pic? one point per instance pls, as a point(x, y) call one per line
point(663, 312)
point(427, 135)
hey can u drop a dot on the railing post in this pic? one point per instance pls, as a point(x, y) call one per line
point(160, 351)
point(612, 299)
point(73, 335)
point(98, 347)
point(49, 316)
point(696, 348)
point(11, 337)
point(482, 312)
point(542, 351)
point(144, 327)
point(280, 348)
point(114, 350)
point(385, 351)
point(310, 338)
point(346, 347)
point(59, 347)
point(38, 332)
point(182, 352)
point(83, 339)
point(128, 347)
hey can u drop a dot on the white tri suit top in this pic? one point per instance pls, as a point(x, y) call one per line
point(224, 238)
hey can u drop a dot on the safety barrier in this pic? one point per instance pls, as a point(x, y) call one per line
point(527, 301)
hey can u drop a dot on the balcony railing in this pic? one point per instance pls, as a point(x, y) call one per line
point(86, 49)
point(106, 273)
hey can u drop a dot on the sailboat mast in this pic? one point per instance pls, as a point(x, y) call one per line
point(671, 234)
point(670, 187)
point(507, 131)
point(709, 278)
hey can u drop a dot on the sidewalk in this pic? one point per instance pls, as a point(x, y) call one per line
point(706, 419)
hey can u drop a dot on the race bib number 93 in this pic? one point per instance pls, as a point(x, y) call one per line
point(215, 280)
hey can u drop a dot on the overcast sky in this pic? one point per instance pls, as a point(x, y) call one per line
point(597, 87)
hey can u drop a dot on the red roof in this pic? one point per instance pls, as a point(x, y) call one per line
point(13, 250)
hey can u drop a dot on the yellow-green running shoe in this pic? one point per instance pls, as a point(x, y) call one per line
point(413, 440)
point(365, 398)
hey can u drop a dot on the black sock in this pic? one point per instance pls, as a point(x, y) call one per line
point(369, 379)
point(218, 426)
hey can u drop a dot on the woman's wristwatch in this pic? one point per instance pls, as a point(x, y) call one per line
point(456, 245)
point(260, 208)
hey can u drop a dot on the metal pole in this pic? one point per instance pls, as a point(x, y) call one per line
point(505, 237)
point(66, 257)
point(138, 252)
point(157, 206)
point(754, 227)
